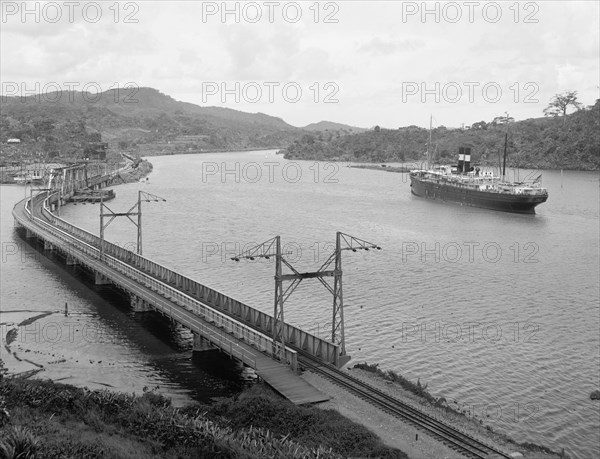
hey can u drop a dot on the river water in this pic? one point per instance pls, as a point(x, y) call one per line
point(498, 313)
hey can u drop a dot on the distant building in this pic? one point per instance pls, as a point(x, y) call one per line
point(95, 150)
point(13, 141)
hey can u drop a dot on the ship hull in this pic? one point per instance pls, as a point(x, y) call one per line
point(523, 204)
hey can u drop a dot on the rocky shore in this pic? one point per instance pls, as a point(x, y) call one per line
point(137, 172)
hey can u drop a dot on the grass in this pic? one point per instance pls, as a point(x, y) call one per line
point(310, 426)
point(50, 420)
point(415, 388)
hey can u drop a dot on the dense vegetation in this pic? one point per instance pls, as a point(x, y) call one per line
point(145, 121)
point(565, 142)
point(312, 427)
point(42, 419)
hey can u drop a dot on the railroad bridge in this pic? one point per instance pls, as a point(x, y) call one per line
point(215, 319)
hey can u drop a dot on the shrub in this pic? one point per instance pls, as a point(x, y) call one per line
point(389, 375)
point(18, 443)
point(309, 426)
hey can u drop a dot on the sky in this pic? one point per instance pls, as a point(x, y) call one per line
point(360, 63)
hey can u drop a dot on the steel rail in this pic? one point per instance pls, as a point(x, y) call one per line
point(455, 438)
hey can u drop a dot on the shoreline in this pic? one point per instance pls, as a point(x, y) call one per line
point(399, 434)
point(132, 175)
point(218, 150)
point(392, 432)
point(440, 408)
point(56, 420)
point(382, 166)
point(20, 366)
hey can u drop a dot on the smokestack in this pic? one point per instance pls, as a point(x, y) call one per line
point(461, 159)
point(467, 163)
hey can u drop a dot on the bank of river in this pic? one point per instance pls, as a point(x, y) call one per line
point(141, 171)
point(43, 419)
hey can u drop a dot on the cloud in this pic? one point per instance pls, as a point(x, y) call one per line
point(383, 47)
point(259, 52)
point(83, 53)
point(369, 53)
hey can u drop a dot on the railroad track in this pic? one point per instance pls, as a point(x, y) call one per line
point(456, 439)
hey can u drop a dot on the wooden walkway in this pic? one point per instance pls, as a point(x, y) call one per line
point(287, 383)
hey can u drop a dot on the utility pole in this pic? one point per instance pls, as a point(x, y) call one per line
point(337, 321)
point(102, 226)
point(505, 148)
point(31, 197)
point(58, 204)
point(429, 143)
point(139, 223)
point(135, 210)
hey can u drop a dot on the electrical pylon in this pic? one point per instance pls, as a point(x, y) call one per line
point(142, 196)
point(272, 248)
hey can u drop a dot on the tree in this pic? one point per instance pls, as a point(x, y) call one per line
point(560, 103)
point(377, 129)
point(480, 125)
point(502, 120)
point(42, 128)
point(94, 137)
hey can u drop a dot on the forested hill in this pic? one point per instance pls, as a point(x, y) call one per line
point(566, 142)
point(331, 126)
point(141, 120)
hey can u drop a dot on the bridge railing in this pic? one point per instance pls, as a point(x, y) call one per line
point(296, 337)
point(218, 328)
point(235, 328)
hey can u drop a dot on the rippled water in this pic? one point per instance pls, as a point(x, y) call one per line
point(498, 313)
point(100, 343)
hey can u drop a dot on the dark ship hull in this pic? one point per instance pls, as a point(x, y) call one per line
point(493, 200)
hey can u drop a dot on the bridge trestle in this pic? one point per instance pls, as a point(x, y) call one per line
point(138, 304)
point(99, 279)
point(227, 323)
point(202, 344)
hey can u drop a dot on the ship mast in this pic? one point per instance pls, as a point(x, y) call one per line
point(429, 143)
point(505, 147)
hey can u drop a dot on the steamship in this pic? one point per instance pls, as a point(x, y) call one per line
point(463, 185)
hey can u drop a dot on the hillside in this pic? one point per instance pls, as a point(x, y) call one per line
point(145, 121)
point(571, 142)
point(43, 419)
point(331, 126)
